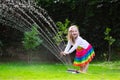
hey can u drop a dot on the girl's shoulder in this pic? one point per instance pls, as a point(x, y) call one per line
point(80, 38)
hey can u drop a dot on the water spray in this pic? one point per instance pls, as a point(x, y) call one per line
point(22, 14)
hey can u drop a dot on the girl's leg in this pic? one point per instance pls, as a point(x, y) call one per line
point(86, 68)
point(83, 69)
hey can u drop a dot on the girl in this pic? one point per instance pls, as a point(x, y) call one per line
point(84, 51)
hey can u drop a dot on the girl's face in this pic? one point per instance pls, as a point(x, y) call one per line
point(74, 32)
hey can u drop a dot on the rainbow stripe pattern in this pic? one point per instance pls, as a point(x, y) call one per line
point(83, 56)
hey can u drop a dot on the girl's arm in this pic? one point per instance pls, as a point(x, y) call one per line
point(73, 48)
point(68, 50)
point(68, 46)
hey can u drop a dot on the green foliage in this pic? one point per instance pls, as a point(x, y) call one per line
point(109, 38)
point(31, 38)
point(62, 31)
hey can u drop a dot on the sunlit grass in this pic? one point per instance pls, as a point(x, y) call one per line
point(47, 71)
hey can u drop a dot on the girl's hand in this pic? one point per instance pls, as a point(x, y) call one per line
point(64, 53)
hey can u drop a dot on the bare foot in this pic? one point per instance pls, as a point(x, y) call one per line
point(82, 71)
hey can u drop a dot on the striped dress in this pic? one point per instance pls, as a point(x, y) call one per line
point(84, 51)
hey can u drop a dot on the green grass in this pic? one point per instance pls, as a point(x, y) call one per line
point(47, 71)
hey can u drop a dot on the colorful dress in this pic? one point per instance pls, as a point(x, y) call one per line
point(84, 51)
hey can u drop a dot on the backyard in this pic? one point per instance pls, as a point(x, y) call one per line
point(34, 33)
point(58, 71)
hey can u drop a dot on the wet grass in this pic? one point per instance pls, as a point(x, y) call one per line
point(47, 71)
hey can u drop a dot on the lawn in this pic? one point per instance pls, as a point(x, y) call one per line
point(57, 71)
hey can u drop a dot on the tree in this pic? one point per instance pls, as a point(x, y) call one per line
point(110, 41)
point(62, 31)
point(31, 40)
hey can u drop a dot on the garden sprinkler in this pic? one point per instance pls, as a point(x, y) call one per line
point(73, 71)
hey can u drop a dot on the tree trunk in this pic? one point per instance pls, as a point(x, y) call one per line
point(109, 53)
point(29, 56)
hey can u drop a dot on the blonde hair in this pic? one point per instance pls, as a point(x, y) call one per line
point(69, 35)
